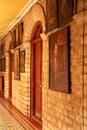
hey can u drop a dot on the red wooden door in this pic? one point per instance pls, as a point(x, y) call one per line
point(36, 85)
point(0, 84)
point(37, 73)
point(10, 76)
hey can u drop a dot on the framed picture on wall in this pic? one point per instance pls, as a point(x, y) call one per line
point(3, 64)
point(12, 62)
point(16, 65)
point(13, 34)
point(20, 30)
point(22, 61)
point(51, 17)
point(75, 7)
point(59, 61)
point(1, 50)
point(65, 11)
point(0, 64)
point(17, 37)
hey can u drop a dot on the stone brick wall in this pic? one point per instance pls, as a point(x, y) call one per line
point(68, 111)
point(85, 69)
point(6, 78)
point(65, 111)
point(21, 88)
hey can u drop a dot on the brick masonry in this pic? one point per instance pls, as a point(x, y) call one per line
point(60, 111)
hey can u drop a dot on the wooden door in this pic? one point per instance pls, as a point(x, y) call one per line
point(0, 84)
point(10, 76)
point(38, 84)
point(36, 87)
point(36, 72)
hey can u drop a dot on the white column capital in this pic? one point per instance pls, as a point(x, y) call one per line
point(79, 18)
point(44, 36)
point(26, 44)
point(6, 53)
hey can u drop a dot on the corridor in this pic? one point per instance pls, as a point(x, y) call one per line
point(43, 64)
point(10, 119)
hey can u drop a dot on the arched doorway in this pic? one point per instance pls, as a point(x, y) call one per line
point(36, 72)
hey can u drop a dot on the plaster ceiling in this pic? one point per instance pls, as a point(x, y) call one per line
point(10, 12)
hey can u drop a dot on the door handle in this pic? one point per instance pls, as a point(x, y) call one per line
point(40, 85)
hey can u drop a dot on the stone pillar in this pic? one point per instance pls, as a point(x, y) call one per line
point(45, 74)
point(27, 48)
point(45, 58)
point(6, 77)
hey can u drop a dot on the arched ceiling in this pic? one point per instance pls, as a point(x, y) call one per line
point(10, 12)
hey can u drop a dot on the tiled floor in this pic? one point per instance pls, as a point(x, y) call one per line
point(7, 121)
point(10, 119)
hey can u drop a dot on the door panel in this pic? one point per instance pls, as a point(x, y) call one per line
point(37, 73)
point(10, 76)
point(36, 79)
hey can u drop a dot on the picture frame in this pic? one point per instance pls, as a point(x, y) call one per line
point(51, 15)
point(59, 61)
point(1, 49)
point(13, 34)
point(16, 65)
point(17, 36)
point(65, 12)
point(75, 7)
point(1, 52)
point(12, 62)
point(20, 30)
point(0, 64)
point(3, 61)
point(22, 61)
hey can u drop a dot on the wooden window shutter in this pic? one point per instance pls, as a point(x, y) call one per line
point(59, 60)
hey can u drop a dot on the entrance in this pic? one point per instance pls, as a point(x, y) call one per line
point(1, 86)
point(36, 74)
point(10, 76)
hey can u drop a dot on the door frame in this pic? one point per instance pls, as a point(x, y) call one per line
point(10, 75)
point(35, 37)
